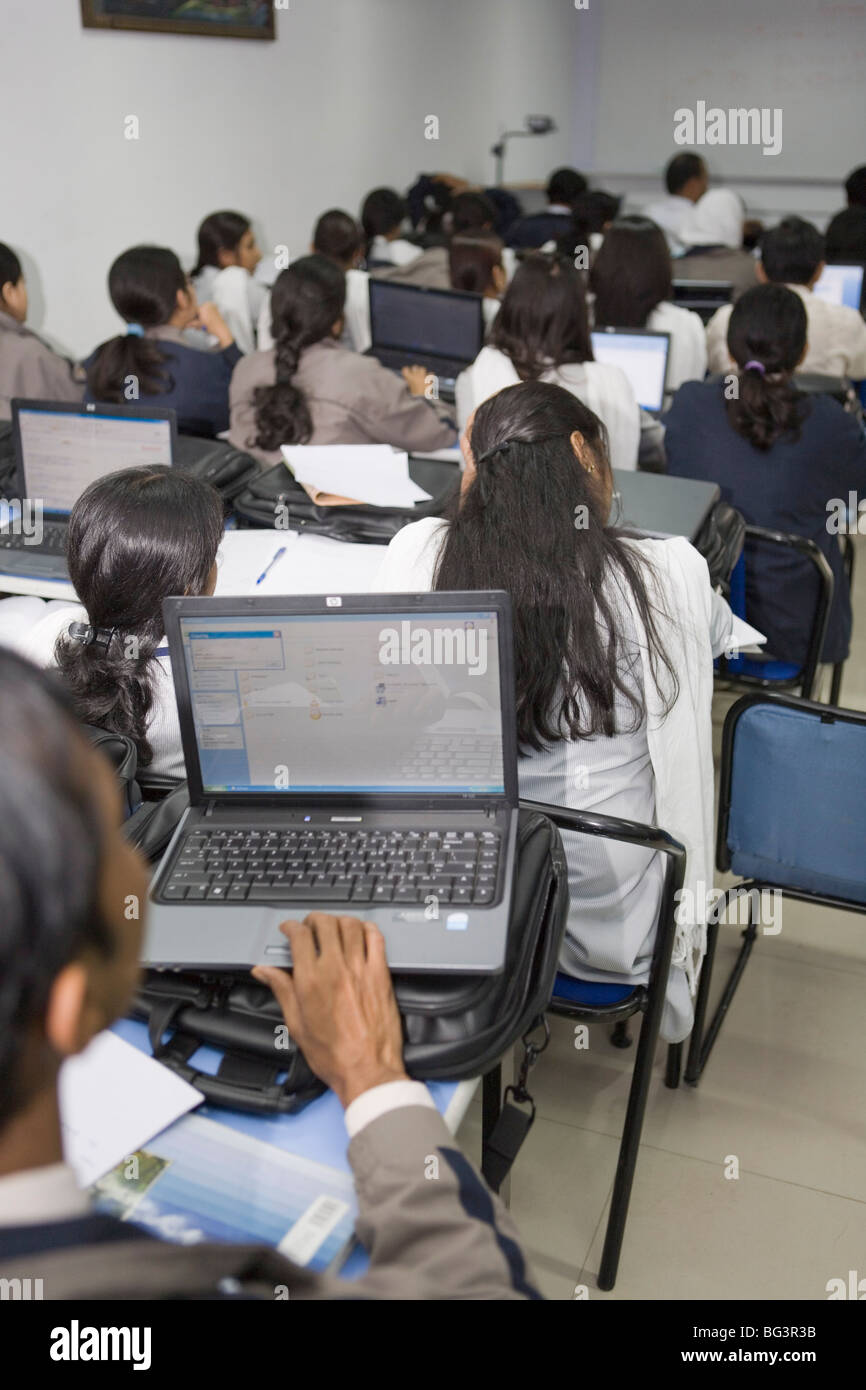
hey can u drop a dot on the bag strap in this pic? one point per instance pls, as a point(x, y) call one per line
point(508, 1134)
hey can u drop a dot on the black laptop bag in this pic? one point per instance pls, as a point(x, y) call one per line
point(216, 462)
point(455, 1026)
point(274, 499)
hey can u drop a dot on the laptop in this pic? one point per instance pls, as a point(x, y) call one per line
point(841, 284)
point(60, 449)
point(414, 325)
point(642, 355)
point(345, 753)
point(702, 296)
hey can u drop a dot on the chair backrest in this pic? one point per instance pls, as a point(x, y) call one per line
point(792, 811)
point(763, 670)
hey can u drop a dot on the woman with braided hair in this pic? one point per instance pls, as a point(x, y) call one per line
point(309, 389)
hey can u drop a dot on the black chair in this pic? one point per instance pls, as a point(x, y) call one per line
point(798, 828)
point(581, 1000)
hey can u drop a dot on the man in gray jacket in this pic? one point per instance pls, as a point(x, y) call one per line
point(68, 965)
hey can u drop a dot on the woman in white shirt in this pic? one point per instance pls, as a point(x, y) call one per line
point(383, 216)
point(614, 637)
point(475, 266)
point(541, 333)
point(631, 284)
point(135, 537)
point(224, 274)
point(339, 237)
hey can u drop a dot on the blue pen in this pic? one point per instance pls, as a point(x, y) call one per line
point(270, 565)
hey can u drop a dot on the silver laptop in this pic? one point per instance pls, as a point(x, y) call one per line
point(642, 355)
point(60, 449)
point(346, 753)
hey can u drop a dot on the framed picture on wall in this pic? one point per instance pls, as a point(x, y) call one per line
point(230, 19)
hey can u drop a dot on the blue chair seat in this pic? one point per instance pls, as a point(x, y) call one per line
point(762, 669)
point(590, 992)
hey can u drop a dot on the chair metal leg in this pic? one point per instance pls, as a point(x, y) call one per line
point(836, 684)
point(672, 1069)
point(620, 1036)
point(693, 1061)
point(701, 1048)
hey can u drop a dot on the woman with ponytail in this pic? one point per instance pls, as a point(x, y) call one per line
point(309, 389)
point(614, 637)
point(156, 362)
point(781, 457)
point(135, 537)
point(226, 273)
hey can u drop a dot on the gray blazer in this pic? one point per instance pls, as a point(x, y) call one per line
point(432, 269)
point(431, 1226)
point(352, 400)
point(28, 367)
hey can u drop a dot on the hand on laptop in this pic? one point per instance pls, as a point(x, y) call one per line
point(339, 1004)
point(416, 379)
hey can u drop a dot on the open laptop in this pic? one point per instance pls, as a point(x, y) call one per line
point(346, 753)
point(702, 296)
point(60, 449)
point(642, 355)
point(841, 284)
point(413, 325)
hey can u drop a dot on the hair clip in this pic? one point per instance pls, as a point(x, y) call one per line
point(758, 366)
point(134, 330)
point(90, 636)
point(497, 449)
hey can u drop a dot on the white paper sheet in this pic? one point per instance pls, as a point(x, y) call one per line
point(113, 1099)
point(372, 473)
point(743, 637)
point(310, 565)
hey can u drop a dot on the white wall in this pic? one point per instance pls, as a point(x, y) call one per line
point(279, 130)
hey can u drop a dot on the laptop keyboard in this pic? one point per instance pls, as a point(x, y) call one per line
point(53, 541)
point(336, 866)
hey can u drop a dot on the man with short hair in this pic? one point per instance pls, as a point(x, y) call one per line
point(686, 180)
point(68, 968)
point(535, 229)
point(792, 254)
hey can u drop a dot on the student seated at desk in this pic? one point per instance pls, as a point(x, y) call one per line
point(613, 642)
point(227, 261)
point(28, 367)
point(542, 333)
point(792, 254)
point(69, 966)
point(383, 216)
point(712, 235)
point(845, 238)
point(779, 456)
point(339, 237)
point(631, 281)
point(475, 266)
point(150, 291)
point(468, 212)
point(686, 180)
point(135, 537)
point(534, 229)
point(308, 389)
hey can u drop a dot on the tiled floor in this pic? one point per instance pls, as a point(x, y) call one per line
point(784, 1095)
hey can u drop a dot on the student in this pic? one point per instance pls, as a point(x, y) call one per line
point(382, 217)
point(595, 210)
point(135, 537)
point(227, 260)
point(339, 237)
point(533, 230)
point(631, 281)
point(542, 333)
point(855, 187)
point(845, 239)
point(613, 644)
point(780, 457)
point(475, 266)
point(686, 180)
point(154, 359)
point(28, 367)
point(69, 965)
point(308, 389)
point(712, 234)
point(468, 212)
point(792, 254)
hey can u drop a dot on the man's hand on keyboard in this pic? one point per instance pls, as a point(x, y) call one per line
point(339, 1004)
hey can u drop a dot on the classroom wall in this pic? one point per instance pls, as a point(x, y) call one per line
point(280, 130)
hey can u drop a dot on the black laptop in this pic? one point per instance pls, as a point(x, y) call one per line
point(412, 325)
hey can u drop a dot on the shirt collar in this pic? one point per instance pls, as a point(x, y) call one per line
point(41, 1195)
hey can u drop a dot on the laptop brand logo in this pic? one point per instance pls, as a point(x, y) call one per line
point(441, 646)
point(333, 602)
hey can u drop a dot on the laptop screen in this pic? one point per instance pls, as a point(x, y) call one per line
point(642, 356)
point(841, 284)
point(355, 703)
point(62, 452)
point(418, 321)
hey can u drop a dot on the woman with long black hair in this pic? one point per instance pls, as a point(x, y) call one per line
point(614, 637)
point(225, 273)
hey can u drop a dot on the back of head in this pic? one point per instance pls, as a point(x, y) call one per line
point(766, 339)
point(533, 520)
point(134, 538)
point(220, 231)
point(472, 258)
point(791, 252)
point(564, 186)
point(682, 169)
point(50, 861)
point(845, 238)
point(471, 212)
point(631, 273)
point(596, 209)
point(10, 266)
point(306, 302)
point(143, 285)
point(855, 187)
point(716, 219)
point(339, 237)
point(543, 320)
point(382, 212)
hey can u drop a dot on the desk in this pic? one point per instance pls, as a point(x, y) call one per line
point(317, 1132)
